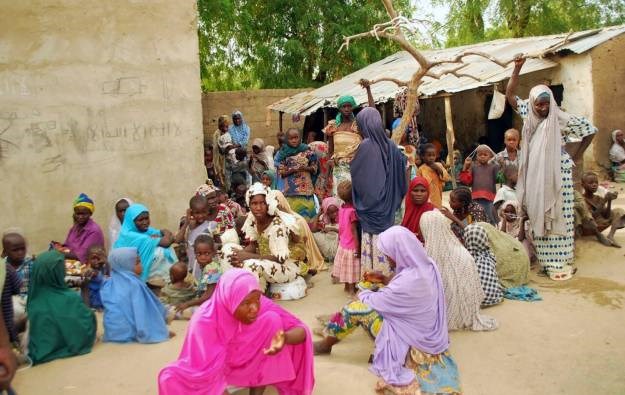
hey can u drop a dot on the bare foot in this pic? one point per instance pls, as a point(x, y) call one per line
point(604, 240)
point(614, 243)
point(322, 348)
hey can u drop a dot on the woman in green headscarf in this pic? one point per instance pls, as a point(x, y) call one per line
point(343, 139)
point(60, 323)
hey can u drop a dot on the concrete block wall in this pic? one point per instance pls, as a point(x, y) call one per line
point(100, 97)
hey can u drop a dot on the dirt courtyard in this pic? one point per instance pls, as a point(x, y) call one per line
point(572, 342)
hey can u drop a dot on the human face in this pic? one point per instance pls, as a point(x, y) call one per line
point(120, 209)
point(240, 190)
point(511, 141)
point(96, 260)
point(222, 197)
point(138, 268)
point(429, 156)
point(204, 254)
point(258, 206)
point(248, 309)
point(590, 183)
point(14, 248)
point(223, 128)
point(454, 203)
point(620, 137)
point(512, 178)
point(281, 137)
point(310, 137)
point(332, 213)
point(346, 110)
point(256, 149)
point(391, 263)
point(509, 213)
point(483, 156)
point(81, 215)
point(237, 120)
point(266, 180)
point(541, 106)
point(293, 138)
point(208, 157)
point(199, 213)
point(142, 221)
point(419, 195)
point(213, 200)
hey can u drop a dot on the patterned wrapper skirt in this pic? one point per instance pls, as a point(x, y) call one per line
point(340, 172)
point(303, 205)
point(371, 258)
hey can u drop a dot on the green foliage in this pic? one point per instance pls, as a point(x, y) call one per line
point(285, 43)
point(520, 18)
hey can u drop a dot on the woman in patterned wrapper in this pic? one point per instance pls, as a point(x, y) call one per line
point(545, 186)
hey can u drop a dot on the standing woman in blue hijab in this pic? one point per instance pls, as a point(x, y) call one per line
point(239, 130)
point(379, 183)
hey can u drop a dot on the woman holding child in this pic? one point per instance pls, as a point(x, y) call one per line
point(240, 338)
point(545, 185)
point(407, 319)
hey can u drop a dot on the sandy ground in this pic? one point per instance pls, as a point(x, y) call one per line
point(572, 342)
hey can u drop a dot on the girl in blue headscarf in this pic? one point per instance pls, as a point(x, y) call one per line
point(153, 245)
point(132, 313)
point(379, 183)
point(239, 130)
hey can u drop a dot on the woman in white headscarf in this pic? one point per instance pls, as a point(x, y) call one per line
point(545, 185)
point(115, 225)
point(617, 155)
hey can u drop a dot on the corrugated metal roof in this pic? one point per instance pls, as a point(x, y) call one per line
point(401, 66)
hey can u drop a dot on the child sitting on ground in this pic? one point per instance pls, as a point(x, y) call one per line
point(517, 226)
point(205, 255)
point(435, 173)
point(14, 255)
point(508, 190)
point(482, 178)
point(347, 259)
point(511, 153)
point(97, 269)
point(178, 291)
point(603, 215)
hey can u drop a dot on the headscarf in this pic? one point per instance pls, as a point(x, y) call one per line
point(340, 102)
point(131, 311)
point(219, 350)
point(325, 205)
point(269, 152)
point(271, 173)
point(115, 224)
point(513, 228)
point(240, 134)
point(378, 173)
point(617, 151)
point(540, 176)
point(146, 245)
point(261, 156)
point(461, 281)
point(60, 323)
point(84, 201)
point(399, 105)
point(206, 189)
point(413, 213)
point(412, 306)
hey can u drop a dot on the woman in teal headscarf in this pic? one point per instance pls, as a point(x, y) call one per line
point(343, 139)
point(60, 324)
point(154, 245)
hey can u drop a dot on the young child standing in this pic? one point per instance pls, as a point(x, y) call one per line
point(347, 259)
point(482, 178)
point(515, 225)
point(435, 173)
point(603, 215)
point(508, 190)
point(511, 153)
point(98, 268)
point(205, 256)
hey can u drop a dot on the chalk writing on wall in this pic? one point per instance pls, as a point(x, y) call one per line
point(123, 86)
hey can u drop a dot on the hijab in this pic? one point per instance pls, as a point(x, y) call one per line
point(617, 151)
point(540, 177)
point(325, 205)
point(412, 307)
point(378, 173)
point(146, 245)
point(115, 224)
point(240, 134)
point(131, 311)
point(60, 323)
point(413, 213)
point(219, 350)
point(513, 228)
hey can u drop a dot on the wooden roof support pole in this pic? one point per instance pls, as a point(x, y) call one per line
point(280, 120)
point(451, 139)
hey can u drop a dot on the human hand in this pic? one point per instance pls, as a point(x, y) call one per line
point(467, 163)
point(277, 343)
point(611, 195)
point(519, 60)
point(437, 168)
point(181, 307)
point(8, 366)
point(447, 213)
point(365, 83)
